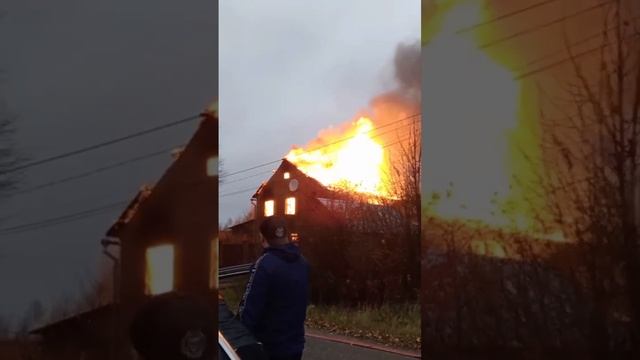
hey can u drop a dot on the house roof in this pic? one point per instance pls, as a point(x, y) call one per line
point(129, 211)
point(194, 146)
point(81, 319)
point(288, 166)
point(346, 202)
point(242, 224)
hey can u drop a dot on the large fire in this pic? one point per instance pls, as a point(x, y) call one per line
point(352, 160)
point(472, 130)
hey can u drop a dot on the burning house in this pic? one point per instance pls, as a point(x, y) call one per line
point(338, 201)
point(164, 242)
point(337, 188)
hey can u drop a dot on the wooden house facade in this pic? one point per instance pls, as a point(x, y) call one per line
point(166, 239)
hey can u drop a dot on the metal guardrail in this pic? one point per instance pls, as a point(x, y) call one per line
point(232, 271)
point(226, 348)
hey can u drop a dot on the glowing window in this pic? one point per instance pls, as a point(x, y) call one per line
point(287, 175)
point(290, 206)
point(294, 237)
point(269, 208)
point(159, 274)
point(212, 166)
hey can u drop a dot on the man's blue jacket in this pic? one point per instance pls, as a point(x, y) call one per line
point(274, 305)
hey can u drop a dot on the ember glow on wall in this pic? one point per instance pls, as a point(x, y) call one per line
point(159, 269)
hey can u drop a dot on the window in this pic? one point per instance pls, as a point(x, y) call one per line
point(159, 271)
point(212, 166)
point(269, 208)
point(290, 206)
point(294, 237)
point(287, 175)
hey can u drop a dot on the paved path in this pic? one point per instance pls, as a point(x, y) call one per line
point(320, 348)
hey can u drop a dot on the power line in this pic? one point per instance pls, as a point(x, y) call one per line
point(542, 26)
point(58, 220)
point(254, 188)
point(101, 145)
point(247, 177)
point(414, 116)
point(560, 62)
point(238, 192)
point(80, 215)
point(324, 145)
point(252, 168)
point(576, 43)
point(94, 171)
point(396, 128)
point(505, 16)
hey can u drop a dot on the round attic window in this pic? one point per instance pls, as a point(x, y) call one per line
point(293, 185)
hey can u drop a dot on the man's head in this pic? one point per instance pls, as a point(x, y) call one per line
point(274, 231)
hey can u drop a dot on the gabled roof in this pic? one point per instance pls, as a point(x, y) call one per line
point(315, 185)
point(202, 143)
point(79, 320)
point(242, 224)
point(129, 211)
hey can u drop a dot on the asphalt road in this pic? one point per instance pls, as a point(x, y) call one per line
point(318, 349)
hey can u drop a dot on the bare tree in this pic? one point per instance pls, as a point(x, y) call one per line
point(590, 154)
point(405, 186)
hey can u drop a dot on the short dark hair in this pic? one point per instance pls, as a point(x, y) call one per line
point(274, 229)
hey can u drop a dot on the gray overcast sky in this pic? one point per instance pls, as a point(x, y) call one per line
point(291, 68)
point(77, 72)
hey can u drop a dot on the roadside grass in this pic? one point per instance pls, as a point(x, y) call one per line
point(395, 325)
point(232, 292)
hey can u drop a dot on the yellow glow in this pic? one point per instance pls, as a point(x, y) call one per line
point(287, 175)
point(357, 164)
point(159, 272)
point(471, 106)
point(269, 207)
point(290, 206)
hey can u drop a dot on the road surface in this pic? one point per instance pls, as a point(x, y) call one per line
point(320, 349)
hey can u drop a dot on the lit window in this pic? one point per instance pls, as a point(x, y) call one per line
point(294, 237)
point(212, 166)
point(159, 274)
point(290, 206)
point(287, 175)
point(269, 207)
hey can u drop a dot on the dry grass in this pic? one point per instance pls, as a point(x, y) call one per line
point(392, 325)
point(395, 325)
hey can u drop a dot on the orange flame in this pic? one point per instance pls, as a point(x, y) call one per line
point(352, 160)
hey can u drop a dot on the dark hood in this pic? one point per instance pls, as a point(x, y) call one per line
point(288, 252)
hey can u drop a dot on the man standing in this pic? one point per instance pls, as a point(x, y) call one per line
point(274, 304)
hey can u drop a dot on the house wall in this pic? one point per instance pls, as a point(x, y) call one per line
point(181, 210)
point(310, 212)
